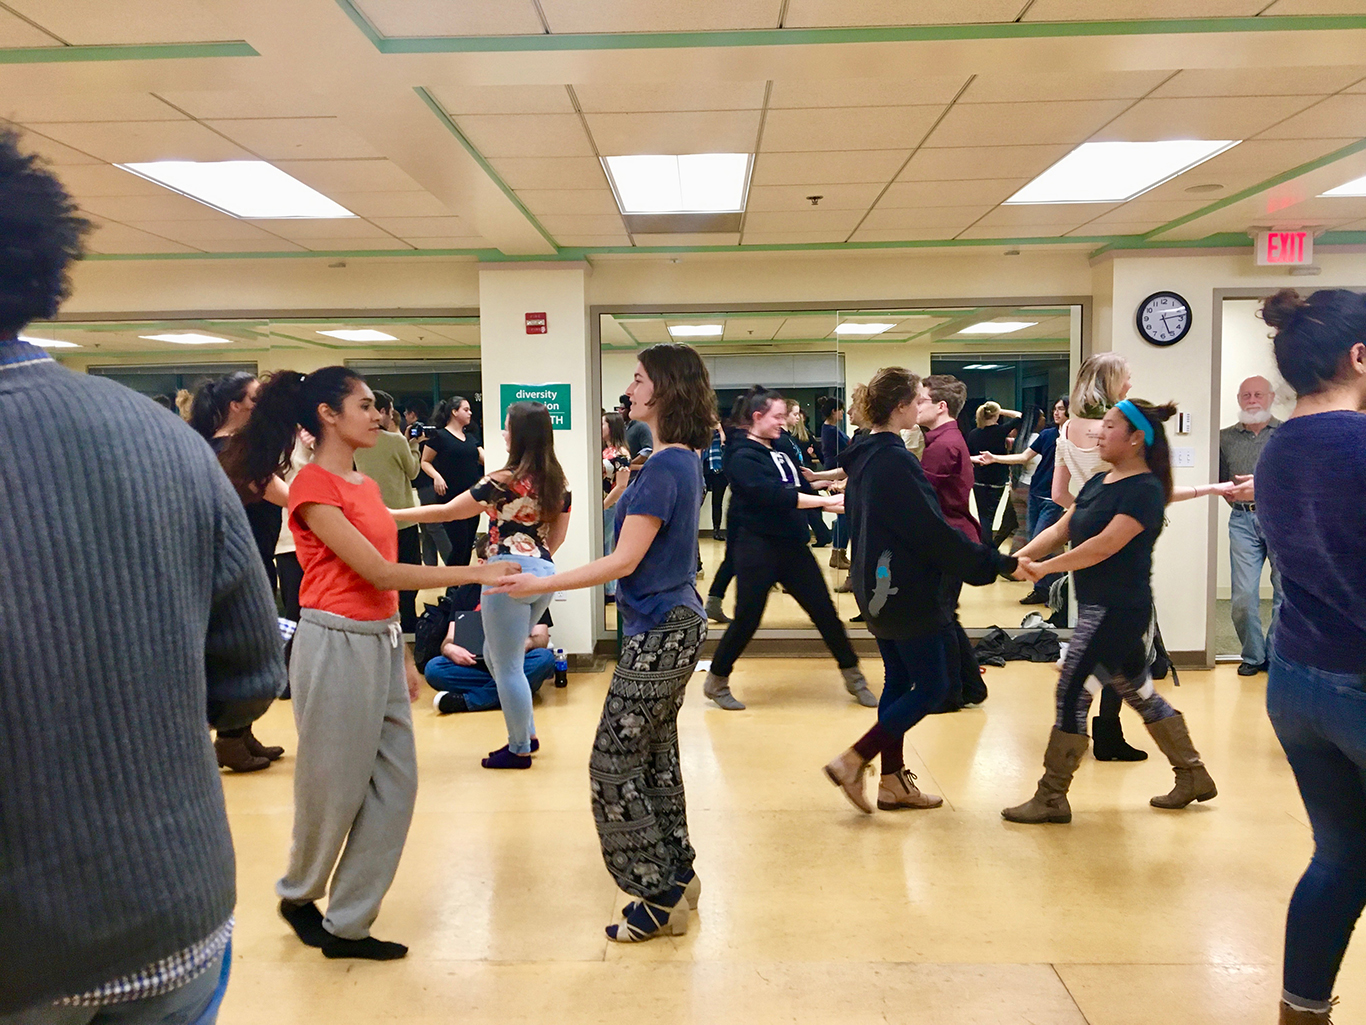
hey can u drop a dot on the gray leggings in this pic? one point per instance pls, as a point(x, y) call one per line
point(1108, 647)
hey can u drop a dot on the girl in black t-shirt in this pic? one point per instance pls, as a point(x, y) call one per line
point(452, 461)
point(1113, 526)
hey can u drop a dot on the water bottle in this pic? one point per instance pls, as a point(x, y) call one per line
point(561, 668)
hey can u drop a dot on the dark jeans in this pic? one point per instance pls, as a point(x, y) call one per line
point(725, 572)
point(461, 534)
point(916, 682)
point(988, 498)
point(842, 530)
point(716, 487)
point(1320, 720)
point(818, 527)
point(476, 684)
point(409, 552)
point(965, 684)
point(760, 562)
point(1042, 514)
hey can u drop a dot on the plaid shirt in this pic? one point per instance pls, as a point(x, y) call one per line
point(170, 973)
point(711, 457)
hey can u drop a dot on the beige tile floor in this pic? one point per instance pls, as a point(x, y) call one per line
point(812, 912)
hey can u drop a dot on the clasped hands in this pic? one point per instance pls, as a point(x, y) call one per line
point(1028, 569)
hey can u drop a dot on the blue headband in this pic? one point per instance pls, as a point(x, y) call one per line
point(1136, 418)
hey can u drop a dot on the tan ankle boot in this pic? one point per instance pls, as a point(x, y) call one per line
point(846, 772)
point(898, 791)
point(1193, 781)
point(1060, 761)
point(1293, 1016)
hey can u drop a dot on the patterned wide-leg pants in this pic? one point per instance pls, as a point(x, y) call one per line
point(637, 780)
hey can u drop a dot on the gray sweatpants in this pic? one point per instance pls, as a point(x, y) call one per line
point(355, 775)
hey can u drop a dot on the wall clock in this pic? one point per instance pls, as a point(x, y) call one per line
point(1164, 318)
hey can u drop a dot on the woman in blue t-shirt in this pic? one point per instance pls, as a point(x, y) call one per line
point(1113, 526)
point(1311, 484)
point(638, 800)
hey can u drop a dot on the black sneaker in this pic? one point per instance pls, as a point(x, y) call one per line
point(447, 701)
point(1035, 597)
point(1248, 669)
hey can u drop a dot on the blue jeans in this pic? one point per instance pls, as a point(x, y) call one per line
point(1320, 720)
point(1041, 514)
point(195, 1003)
point(476, 685)
point(1247, 552)
point(842, 530)
point(507, 622)
point(609, 542)
point(917, 680)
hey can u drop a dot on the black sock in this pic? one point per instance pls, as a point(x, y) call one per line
point(306, 921)
point(368, 949)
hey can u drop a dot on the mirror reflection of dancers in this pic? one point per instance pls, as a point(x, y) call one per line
point(638, 800)
point(768, 538)
point(1113, 525)
point(902, 546)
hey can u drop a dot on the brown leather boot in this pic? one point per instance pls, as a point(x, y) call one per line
point(233, 754)
point(260, 750)
point(899, 791)
point(1060, 761)
point(1292, 1016)
point(1193, 781)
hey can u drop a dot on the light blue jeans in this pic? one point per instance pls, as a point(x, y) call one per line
point(609, 541)
point(507, 622)
point(1247, 552)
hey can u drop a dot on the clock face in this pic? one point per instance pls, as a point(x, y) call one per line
point(1164, 318)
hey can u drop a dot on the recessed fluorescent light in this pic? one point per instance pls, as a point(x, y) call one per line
point(49, 343)
point(694, 183)
point(862, 329)
point(187, 338)
point(998, 327)
point(1116, 172)
point(360, 335)
point(696, 330)
point(242, 188)
point(1356, 187)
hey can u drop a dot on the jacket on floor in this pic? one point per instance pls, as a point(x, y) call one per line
point(902, 546)
point(764, 483)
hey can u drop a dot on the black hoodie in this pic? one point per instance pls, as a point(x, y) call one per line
point(902, 547)
point(765, 483)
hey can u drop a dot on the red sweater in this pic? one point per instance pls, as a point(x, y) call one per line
point(949, 468)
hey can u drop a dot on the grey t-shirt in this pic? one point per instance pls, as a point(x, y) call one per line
point(638, 436)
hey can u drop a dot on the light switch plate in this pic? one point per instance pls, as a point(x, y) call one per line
point(561, 595)
point(1183, 456)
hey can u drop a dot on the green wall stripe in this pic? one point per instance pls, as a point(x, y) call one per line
point(133, 52)
point(1270, 183)
point(836, 36)
point(454, 129)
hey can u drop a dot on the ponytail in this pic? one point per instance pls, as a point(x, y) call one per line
point(209, 406)
point(287, 400)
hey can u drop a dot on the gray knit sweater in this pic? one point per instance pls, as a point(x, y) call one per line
point(133, 604)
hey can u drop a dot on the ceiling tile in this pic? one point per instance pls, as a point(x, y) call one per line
point(806, 169)
point(1014, 231)
point(950, 193)
point(589, 241)
point(1246, 164)
point(835, 13)
point(550, 172)
point(970, 163)
point(921, 234)
point(392, 204)
point(1325, 120)
point(944, 219)
point(645, 97)
point(1046, 86)
point(1134, 10)
point(53, 151)
point(703, 131)
point(785, 238)
point(647, 16)
point(297, 138)
point(220, 228)
point(1261, 81)
point(360, 242)
point(16, 32)
point(1120, 223)
point(690, 239)
point(96, 22)
point(304, 230)
point(1063, 215)
point(229, 104)
point(263, 244)
point(119, 238)
point(124, 142)
point(166, 206)
point(94, 105)
point(848, 128)
point(1208, 117)
point(582, 224)
point(447, 242)
point(405, 18)
point(791, 94)
point(1009, 124)
point(86, 180)
point(503, 99)
point(820, 325)
point(1290, 7)
point(337, 176)
point(568, 201)
point(794, 197)
point(745, 329)
point(526, 135)
point(810, 219)
point(431, 226)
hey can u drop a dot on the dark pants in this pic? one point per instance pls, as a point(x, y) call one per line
point(725, 573)
point(475, 684)
point(916, 682)
point(1111, 645)
point(716, 487)
point(409, 552)
point(965, 684)
point(818, 527)
point(461, 534)
point(435, 540)
point(842, 530)
point(761, 562)
point(988, 498)
point(1320, 720)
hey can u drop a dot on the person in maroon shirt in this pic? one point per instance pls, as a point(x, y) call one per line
point(948, 466)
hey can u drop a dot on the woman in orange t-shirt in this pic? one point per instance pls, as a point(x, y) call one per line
point(355, 781)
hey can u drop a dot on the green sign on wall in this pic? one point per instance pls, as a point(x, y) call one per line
point(555, 397)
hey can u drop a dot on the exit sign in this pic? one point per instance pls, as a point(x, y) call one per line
point(1285, 248)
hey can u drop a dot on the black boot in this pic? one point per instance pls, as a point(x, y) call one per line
point(1107, 741)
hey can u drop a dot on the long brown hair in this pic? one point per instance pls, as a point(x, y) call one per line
point(531, 456)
